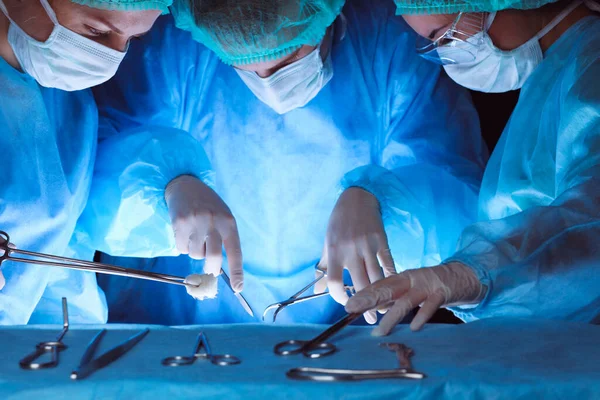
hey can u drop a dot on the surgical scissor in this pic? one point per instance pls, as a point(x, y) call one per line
point(317, 347)
point(201, 344)
point(6, 254)
point(295, 298)
point(55, 347)
point(88, 365)
point(404, 371)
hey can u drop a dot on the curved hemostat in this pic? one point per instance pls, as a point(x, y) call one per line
point(295, 298)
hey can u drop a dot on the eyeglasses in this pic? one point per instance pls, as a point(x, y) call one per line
point(459, 44)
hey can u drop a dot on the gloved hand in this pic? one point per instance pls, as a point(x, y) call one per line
point(356, 241)
point(450, 284)
point(203, 224)
point(2, 280)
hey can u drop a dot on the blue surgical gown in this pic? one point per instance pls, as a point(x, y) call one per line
point(48, 142)
point(387, 121)
point(538, 245)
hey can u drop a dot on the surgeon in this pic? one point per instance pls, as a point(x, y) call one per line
point(535, 251)
point(50, 52)
point(326, 139)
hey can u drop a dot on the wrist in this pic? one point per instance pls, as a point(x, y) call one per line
point(468, 289)
point(180, 180)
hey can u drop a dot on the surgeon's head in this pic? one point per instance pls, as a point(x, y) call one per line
point(279, 48)
point(73, 44)
point(489, 45)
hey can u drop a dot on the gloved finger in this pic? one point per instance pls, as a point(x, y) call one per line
point(2, 280)
point(335, 276)
point(360, 280)
point(386, 261)
point(321, 285)
point(399, 310)
point(197, 246)
point(379, 294)
point(429, 307)
point(233, 250)
point(374, 270)
point(182, 232)
point(214, 254)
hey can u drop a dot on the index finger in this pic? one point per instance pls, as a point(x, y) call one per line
point(335, 277)
point(379, 294)
point(233, 250)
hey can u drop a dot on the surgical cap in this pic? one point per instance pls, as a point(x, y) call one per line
point(455, 6)
point(127, 5)
point(251, 31)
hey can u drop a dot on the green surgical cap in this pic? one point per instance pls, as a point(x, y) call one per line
point(127, 5)
point(251, 31)
point(456, 6)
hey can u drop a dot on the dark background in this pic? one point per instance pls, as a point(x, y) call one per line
point(494, 109)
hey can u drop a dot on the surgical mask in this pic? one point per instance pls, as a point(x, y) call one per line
point(67, 60)
point(292, 86)
point(495, 70)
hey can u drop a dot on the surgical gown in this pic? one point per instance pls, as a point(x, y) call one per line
point(47, 144)
point(387, 121)
point(538, 245)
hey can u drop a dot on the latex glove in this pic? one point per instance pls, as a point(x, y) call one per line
point(2, 280)
point(450, 284)
point(203, 225)
point(355, 241)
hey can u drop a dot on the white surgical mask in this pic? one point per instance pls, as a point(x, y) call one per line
point(495, 70)
point(67, 60)
point(292, 86)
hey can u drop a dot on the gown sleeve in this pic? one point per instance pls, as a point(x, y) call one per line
point(429, 164)
point(543, 261)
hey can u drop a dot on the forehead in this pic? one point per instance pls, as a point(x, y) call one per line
point(123, 18)
point(425, 24)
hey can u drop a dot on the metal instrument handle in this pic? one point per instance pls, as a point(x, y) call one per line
point(332, 375)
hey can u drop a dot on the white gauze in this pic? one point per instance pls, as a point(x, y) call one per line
point(204, 286)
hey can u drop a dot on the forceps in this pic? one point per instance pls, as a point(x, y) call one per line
point(64, 262)
point(295, 298)
point(201, 343)
point(6, 253)
point(405, 370)
point(88, 365)
point(30, 361)
point(317, 347)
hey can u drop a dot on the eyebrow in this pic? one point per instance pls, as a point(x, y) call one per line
point(435, 32)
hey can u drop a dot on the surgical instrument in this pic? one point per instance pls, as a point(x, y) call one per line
point(88, 365)
point(332, 375)
point(30, 361)
point(239, 296)
point(7, 251)
point(405, 371)
point(201, 350)
point(295, 298)
point(71, 263)
point(317, 347)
